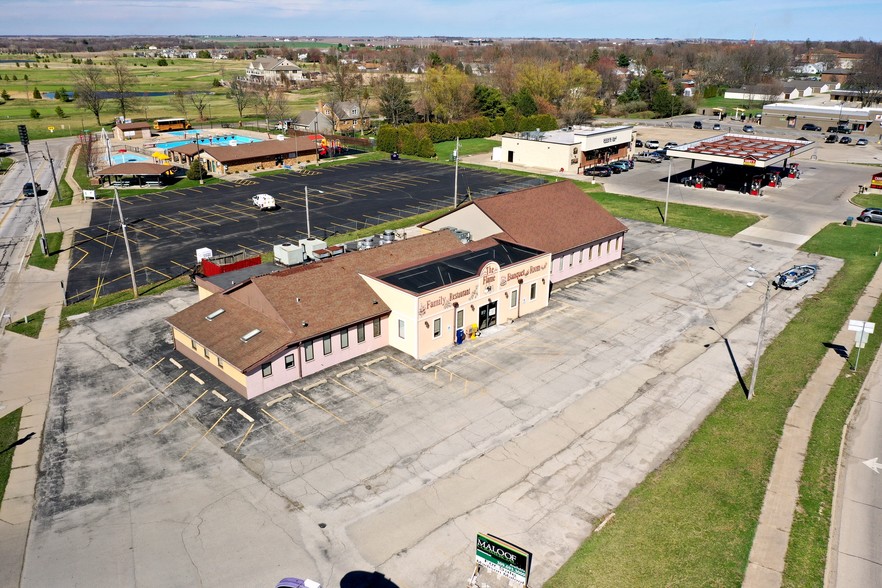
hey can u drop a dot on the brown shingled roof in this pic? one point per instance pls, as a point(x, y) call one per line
point(133, 126)
point(552, 217)
point(326, 295)
point(251, 151)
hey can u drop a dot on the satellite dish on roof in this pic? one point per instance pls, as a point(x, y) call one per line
point(280, 137)
point(233, 143)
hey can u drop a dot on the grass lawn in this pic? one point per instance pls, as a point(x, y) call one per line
point(5, 164)
point(53, 244)
point(868, 200)
point(466, 147)
point(8, 435)
point(692, 521)
point(30, 326)
point(730, 104)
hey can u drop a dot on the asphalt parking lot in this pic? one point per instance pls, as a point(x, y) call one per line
point(166, 228)
point(531, 432)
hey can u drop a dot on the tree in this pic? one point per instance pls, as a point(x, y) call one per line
point(867, 77)
point(203, 54)
point(59, 112)
point(35, 113)
point(61, 94)
point(196, 171)
point(447, 93)
point(623, 60)
point(37, 94)
point(122, 84)
point(178, 101)
point(5, 95)
point(162, 62)
point(240, 95)
point(270, 102)
point(199, 102)
point(580, 102)
point(524, 103)
point(489, 101)
point(395, 103)
point(89, 86)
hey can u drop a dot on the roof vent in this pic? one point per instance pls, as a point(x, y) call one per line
point(298, 300)
point(250, 335)
point(304, 323)
point(215, 314)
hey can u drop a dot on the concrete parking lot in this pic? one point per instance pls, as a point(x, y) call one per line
point(531, 432)
point(172, 224)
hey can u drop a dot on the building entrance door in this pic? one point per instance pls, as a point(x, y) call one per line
point(487, 316)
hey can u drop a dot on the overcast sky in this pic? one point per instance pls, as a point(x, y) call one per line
point(818, 20)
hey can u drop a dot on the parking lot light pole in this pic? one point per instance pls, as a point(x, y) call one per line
point(759, 337)
point(667, 190)
point(306, 202)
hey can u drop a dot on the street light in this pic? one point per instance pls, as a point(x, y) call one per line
point(306, 198)
point(199, 159)
point(759, 336)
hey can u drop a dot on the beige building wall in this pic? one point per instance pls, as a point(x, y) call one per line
point(551, 156)
point(222, 370)
point(402, 318)
point(469, 218)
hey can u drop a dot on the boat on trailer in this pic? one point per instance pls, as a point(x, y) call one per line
point(795, 277)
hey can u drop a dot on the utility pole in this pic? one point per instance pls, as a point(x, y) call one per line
point(52, 168)
point(456, 173)
point(25, 141)
point(122, 222)
point(759, 337)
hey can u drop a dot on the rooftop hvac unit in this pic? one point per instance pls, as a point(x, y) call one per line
point(288, 254)
point(311, 245)
point(203, 253)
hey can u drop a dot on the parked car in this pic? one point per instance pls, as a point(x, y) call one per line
point(622, 165)
point(648, 157)
point(638, 143)
point(810, 127)
point(862, 141)
point(831, 139)
point(832, 129)
point(748, 128)
point(600, 171)
point(662, 153)
point(670, 144)
point(5, 147)
point(264, 202)
point(28, 190)
point(696, 124)
point(717, 127)
point(845, 140)
point(871, 215)
point(652, 144)
point(843, 130)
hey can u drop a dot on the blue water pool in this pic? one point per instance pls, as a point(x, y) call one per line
point(215, 140)
point(130, 158)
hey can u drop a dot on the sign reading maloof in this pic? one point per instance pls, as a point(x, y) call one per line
point(503, 558)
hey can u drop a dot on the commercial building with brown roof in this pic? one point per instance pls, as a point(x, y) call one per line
point(270, 154)
point(418, 295)
point(558, 218)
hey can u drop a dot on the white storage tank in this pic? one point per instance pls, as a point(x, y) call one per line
point(288, 254)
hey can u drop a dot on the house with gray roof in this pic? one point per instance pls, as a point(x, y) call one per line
point(273, 70)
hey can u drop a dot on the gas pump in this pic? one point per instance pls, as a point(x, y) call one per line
point(755, 185)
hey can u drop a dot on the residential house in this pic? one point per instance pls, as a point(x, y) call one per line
point(347, 116)
point(273, 70)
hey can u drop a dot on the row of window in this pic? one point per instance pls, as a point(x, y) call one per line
point(590, 250)
point(309, 351)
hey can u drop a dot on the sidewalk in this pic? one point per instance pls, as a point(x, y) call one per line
point(766, 563)
point(26, 374)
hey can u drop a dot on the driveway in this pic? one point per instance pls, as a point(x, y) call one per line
point(154, 474)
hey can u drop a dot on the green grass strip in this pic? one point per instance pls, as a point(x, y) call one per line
point(53, 244)
point(692, 521)
point(30, 325)
point(8, 435)
point(91, 304)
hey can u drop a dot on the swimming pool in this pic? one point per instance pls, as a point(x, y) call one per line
point(222, 140)
point(129, 158)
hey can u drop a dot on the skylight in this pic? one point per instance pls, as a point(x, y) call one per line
point(215, 314)
point(250, 335)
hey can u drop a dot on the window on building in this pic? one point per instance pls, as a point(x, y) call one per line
point(205, 352)
point(401, 328)
point(533, 291)
point(344, 338)
point(359, 330)
point(459, 318)
point(436, 328)
point(267, 370)
point(608, 243)
point(590, 252)
point(308, 352)
point(513, 298)
point(571, 260)
point(618, 243)
point(560, 266)
point(377, 332)
point(289, 361)
point(193, 343)
point(581, 254)
point(326, 345)
point(220, 362)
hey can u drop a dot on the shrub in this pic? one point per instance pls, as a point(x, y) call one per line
point(196, 171)
point(35, 113)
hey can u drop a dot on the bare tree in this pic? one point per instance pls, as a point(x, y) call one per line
point(270, 102)
point(867, 77)
point(122, 84)
point(199, 102)
point(241, 96)
point(178, 100)
point(89, 86)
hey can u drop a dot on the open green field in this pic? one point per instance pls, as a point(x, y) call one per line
point(692, 522)
point(188, 75)
point(730, 104)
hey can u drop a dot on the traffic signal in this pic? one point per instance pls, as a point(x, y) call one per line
point(23, 135)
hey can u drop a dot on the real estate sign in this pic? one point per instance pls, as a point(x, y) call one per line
point(503, 557)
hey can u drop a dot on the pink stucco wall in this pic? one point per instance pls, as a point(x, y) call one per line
point(580, 260)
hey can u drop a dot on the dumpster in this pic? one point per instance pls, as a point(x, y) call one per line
point(460, 336)
point(849, 221)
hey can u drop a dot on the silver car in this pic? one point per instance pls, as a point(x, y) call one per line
point(871, 215)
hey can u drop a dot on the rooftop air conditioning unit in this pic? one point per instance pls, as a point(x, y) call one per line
point(288, 254)
point(309, 246)
point(203, 253)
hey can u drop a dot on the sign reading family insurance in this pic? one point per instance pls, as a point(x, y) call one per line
point(503, 558)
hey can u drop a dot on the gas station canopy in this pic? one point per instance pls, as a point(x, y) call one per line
point(735, 149)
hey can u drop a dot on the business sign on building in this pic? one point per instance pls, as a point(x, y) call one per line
point(503, 558)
